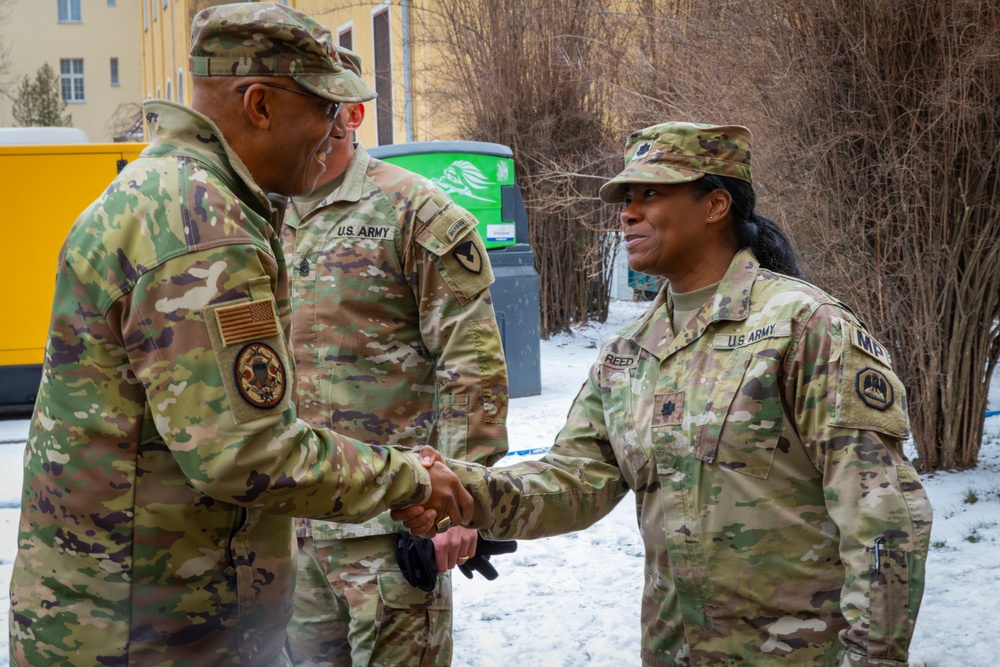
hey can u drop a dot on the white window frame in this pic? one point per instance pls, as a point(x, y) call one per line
point(341, 29)
point(65, 13)
point(73, 81)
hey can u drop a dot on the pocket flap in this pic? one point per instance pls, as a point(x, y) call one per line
point(396, 593)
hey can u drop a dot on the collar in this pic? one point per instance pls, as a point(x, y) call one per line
point(349, 188)
point(352, 188)
point(731, 303)
point(178, 130)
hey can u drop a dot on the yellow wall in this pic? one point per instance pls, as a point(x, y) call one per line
point(34, 36)
point(82, 171)
point(358, 14)
point(166, 35)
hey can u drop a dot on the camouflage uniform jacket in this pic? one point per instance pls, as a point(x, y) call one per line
point(782, 523)
point(393, 332)
point(163, 449)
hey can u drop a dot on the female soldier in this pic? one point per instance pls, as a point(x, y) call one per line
point(758, 423)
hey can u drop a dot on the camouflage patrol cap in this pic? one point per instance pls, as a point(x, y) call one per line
point(349, 59)
point(268, 39)
point(681, 153)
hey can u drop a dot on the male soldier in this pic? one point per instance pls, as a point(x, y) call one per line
point(396, 344)
point(164, 456)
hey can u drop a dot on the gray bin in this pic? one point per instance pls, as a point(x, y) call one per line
point(515, 302)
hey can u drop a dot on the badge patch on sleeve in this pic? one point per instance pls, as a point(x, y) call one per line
point(874, 388)
point(246, 321)
point(468, 256)
point(869, 395)
point(456, 227)
point(260, 375)
point(874, 349)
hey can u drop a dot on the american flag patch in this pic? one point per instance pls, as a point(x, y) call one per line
point(247, 320)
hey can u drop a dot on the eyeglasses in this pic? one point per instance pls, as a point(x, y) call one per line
point(330, 109)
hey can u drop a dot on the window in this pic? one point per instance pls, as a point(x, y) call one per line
point(346, 38)
point(145, 15)
point(112, 3)
point(71, 78)
point(168, 90)
point(164, 4)
point(180, 85)
point(383, 78)
point(114, 71)
point(69, 11)
point(155, 11)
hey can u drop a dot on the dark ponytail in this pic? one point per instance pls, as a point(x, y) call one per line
point(754, 231)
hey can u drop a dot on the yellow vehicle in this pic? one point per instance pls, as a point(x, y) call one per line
point(45, 187)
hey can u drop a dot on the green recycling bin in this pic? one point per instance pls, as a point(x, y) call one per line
point(479, 177)
point(473, 173)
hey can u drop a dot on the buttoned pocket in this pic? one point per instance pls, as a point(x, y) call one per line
point(893, 602)
point(744, 417)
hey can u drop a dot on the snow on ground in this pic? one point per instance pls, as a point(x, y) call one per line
point(574, 600)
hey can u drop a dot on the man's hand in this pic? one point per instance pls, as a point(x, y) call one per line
point(454, 547)
point(449, 504)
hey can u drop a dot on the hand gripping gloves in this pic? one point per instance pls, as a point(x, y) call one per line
point(481, 561)
point(415, 556)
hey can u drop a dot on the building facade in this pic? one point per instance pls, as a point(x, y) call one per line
point(380, 32)
point(165, 41)
point(94, 48)
point(395, 62)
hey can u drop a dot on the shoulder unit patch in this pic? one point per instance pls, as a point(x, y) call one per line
point(468, 256)
point(874, 388)
point(260, 375)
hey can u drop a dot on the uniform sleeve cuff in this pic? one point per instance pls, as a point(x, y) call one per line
point(412, 483)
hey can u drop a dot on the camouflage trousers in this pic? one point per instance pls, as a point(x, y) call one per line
point(353, 608)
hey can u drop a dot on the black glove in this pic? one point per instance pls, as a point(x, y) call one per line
point(415, 556)
point(480, 562)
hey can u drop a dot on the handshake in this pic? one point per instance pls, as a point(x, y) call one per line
point(449, 504)
point(416, 555)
